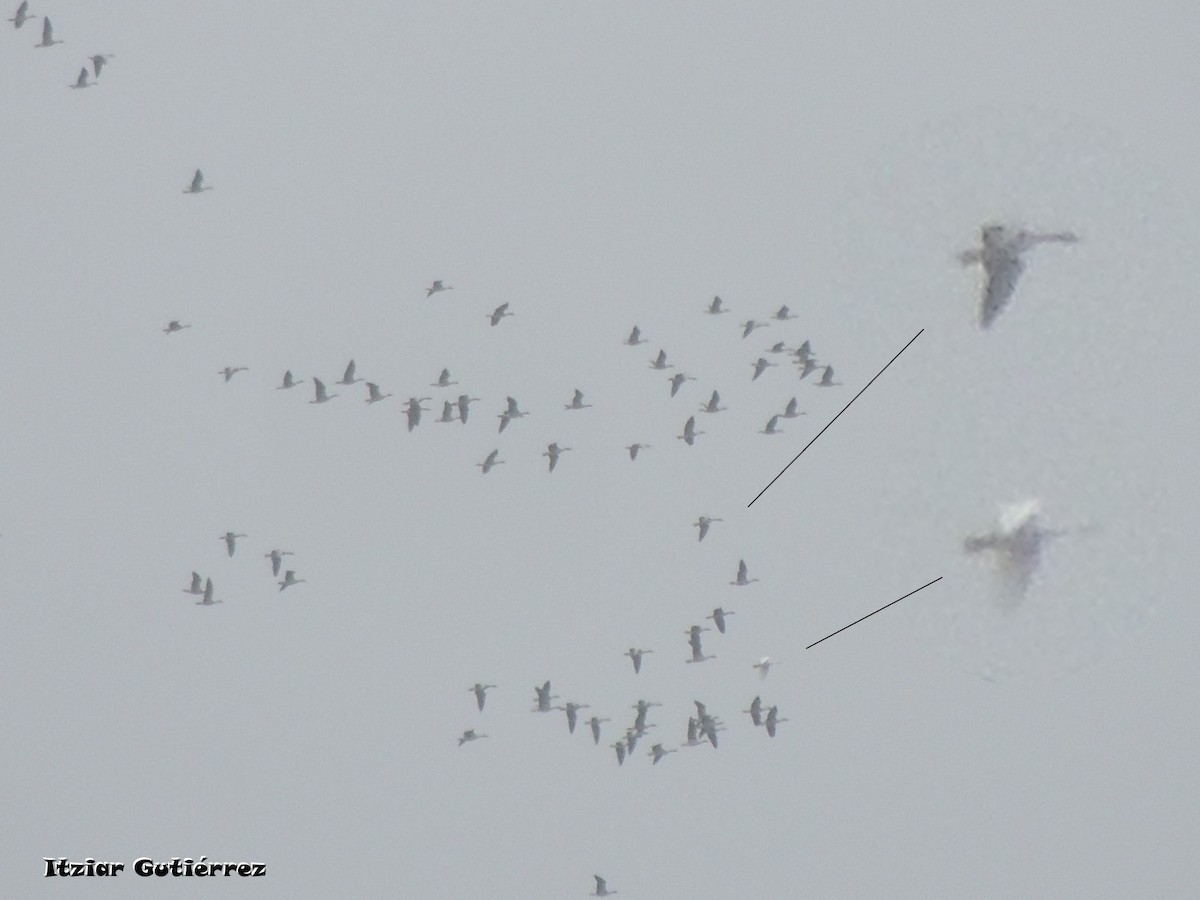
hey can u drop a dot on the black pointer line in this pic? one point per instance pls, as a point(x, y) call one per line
point(868, 615)
point(835, 418)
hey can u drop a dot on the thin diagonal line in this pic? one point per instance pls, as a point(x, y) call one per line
point(835, 418)
point(868, 615)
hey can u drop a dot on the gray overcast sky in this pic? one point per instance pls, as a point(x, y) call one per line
point(596, 165)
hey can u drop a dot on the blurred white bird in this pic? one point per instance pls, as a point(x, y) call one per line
point(1014, 547)
point(601, 888)
point(375, 395)
point(715, 308)
point(321, 395)
point(554, 452)
point(761, 366)
point(436, 288)
point(479, 689)
point(230, 371)
point(577, 401)
point(82, 80)
point(197, 586)
point(230, 540)
point(276, 558)
point(468, 736)
point(288, 381)
point(764, 666)
point(677, 381)
point(742, 580)
point(488, 464)
point(702, 523)
point(47, 34)
point(173, 326)
point(660, 361)
point(348, 377)
point(772, 426)
point(99, 61)
point(197, 186)
point(749, 326)
point(689, 432)
point(635, 448)
point(289, 578)
point(999, 253)
point(22, 15)
point(635, 337)
point(499, 313)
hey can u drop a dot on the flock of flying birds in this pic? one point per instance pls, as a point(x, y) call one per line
point(1014, 546)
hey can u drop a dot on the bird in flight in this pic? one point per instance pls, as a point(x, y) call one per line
point(1014, 547)
point(634, 448)
point(173, 326)
point(230, 540)
point(288, 381)
point(436, 288)
point(375, 395)
point(635, 337)
point(47, 33)
point(601, 888)
point(197, 186)
point(197, 585)
point(499, 313)
point(553, 452)
point(22, 15)
point(750, 325)
point(276, 558)
point(82, 80)
point(99, 61)
point(689, 432)
point(999, 253)
point(348, 376)
point(577, 401)
point(319, 388)
point(636, 654)
point(703, 523)
point(715, 308)
point(289, 578)
point(480, 690)
point(488, 464)
point(468, 736)
point(742, 572)
point(230, 371)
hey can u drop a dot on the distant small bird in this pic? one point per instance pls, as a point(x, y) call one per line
point(173, 326)
point(713, 405)
point(772, 426)
point(375, 395)
point(321, 395)
point(449, 413)
point(807, 368)
point(594, 725)
point(197, 586)
point(197, 186)
point(804, 351)
point(658, 753)
point(464, 406)
point(778, 347)
point(750, 326)
point(436, 288)
point(22, 15)
point(553, 452)
point(660, 361)
point(47, 33)
point(577, 401)
point(230, 371)
point(790, 411)
point(782, 314)
point(703, 523)
point(601, 888)
point(772, 720)
point(635, 337)
point(827, 379)
point(444, 380)
point(230, 540)
point(348, 377)
point(636, 654)
point(288, 381)
point(634, 448)
point(82, 80)
point(488, 464)
point(677, 381)
point(289, 578)
point(499, 313)
point(689, 432)
point(468, 736)
point(99, 61)
point(718, 617)
point(715, 308)
point(764, 666)
point(276, 558)
point(760, 366)
point(207, 599)
point(742, 572)
point(755, 711)
point(480, 691)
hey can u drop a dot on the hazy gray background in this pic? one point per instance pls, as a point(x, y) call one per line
point(597, 165)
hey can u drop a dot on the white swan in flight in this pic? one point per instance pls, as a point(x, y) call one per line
point(230, 540)
point(999, 253)
point(22, 15)
point(289, 578)
point(197, 186)
point(276, 558)
point(322, 396)
point(288, 381)
point(468, 736)
point(47, 34)
point(1014, 547)
point(499, 313)
point(491, 462)
point(742, 580)
point(479, 689)
point(375, 395)
point(703, 523)
point(764, 666)
point(554, 452)
point(689, 432)
point(677, 381)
